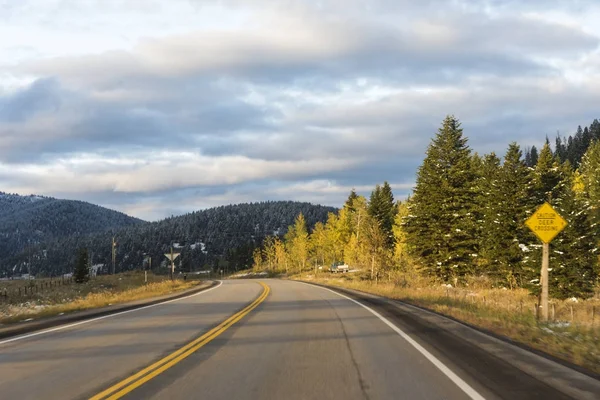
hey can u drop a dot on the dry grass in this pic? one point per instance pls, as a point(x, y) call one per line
point(98, 292)
point(573, 334)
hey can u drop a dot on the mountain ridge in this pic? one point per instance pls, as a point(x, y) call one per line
point(222, 235)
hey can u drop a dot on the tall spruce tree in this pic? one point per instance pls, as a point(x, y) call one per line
point(487, 213)
point(560, 150)
point(503, 193)
point(383, 209)
point(573, 252)
point(514, 189)
point(595, 130)
point(440, 228)
point(590, 175)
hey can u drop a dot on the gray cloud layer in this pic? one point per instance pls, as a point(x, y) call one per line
point(303, 101)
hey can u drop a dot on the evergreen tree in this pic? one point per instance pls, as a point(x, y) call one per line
point(595, 130)
point(487, 213)
point(573, 252)
point(441, 227)
point(534, 156)
point(81, 273)
point(388, 212)
point(382, 208)
point(504, 192)
point(351, 198)
point(560, 150)
point(590, 175)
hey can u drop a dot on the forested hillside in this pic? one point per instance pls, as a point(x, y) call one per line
point(28, 221)
point(218, 237)
point(465, 220)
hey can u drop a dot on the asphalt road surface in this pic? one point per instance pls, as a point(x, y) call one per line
point(243, 340)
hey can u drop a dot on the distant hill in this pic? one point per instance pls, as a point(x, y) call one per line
point(28, 221)
point(221, 237)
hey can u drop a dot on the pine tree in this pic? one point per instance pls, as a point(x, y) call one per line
point(590, 175)
point(595, 130)
point(382, 208)
point(388, 213)
point(441, 227)
point(81, 273)
point(487, 213)
point(351, 198)
point(560, 150)
point(506, 239)
point(573, 252)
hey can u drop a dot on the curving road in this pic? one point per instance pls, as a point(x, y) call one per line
point(296, 342)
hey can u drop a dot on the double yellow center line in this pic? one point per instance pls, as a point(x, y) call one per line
point(127, 385)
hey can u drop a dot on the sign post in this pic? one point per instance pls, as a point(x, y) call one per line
point(172, 256)
point(546, 223)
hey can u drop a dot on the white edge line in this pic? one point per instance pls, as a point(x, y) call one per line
point(61, 327)
point(464, 386)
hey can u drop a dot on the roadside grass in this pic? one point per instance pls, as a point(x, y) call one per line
point(98, 292)
point(573, 334)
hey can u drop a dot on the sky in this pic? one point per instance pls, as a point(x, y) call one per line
point(158, 108)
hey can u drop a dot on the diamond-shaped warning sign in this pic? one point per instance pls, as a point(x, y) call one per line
point(546, 223)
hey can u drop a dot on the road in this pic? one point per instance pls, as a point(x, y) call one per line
point(282, 340)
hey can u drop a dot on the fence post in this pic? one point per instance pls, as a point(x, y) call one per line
point(553, 312)
point(572, 313)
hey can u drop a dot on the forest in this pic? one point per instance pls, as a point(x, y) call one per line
point(45, 240)
point(465, 219)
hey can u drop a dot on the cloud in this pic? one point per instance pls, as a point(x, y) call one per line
point(240, 101)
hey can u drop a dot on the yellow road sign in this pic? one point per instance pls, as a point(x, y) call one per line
point(546, 223)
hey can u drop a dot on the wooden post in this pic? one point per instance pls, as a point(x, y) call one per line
point(545, 262)
point(572, 313)
point(553, 312)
